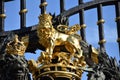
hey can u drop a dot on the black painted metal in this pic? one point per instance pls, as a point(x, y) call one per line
point(22, 14)
point(70, 12)
point(81, 16)
point(87, 6)
point(8, 0)
point(1, 18)
point(117, 6)
point(100, 27)
point(62, 6)
point(43, 8)
point(106, 67)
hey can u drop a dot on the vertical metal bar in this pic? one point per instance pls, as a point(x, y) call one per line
point(22, 13)
point(82, 23)
point(100, 28)
point(117, 7)
point(62, 6)
point(2, 15)
point(43, 6)
point(62, 9)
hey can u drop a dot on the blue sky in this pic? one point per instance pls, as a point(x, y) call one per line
point(12, 22)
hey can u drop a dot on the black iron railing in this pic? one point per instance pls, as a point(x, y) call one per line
point(78, 9)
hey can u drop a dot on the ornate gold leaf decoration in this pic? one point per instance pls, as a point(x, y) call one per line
point(15, 47)
point(63, 56)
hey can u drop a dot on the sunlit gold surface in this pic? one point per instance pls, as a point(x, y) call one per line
point(100, 21)
point(83, 26)
point(16, 47)
point(43, 4)
point(117, 18)
point(23, 11)
point(2, 15)
point(49, 37)
point(94, 55)
point(54, 60)
point(25, 39)
point(102, 41)
point(118, 40)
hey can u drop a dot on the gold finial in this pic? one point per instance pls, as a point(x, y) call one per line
point(15, 47)
point(43, 4)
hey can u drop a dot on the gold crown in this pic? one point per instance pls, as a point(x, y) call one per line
point(61, 65)
point(15, 47)
point(46, 17)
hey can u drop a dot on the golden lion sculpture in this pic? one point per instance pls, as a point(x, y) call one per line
point(49, 37)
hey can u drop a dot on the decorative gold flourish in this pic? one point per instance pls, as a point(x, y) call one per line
point(68, 30)
point(16, 47)
point(94, 55)
point(61, 64)
point(32, 65)
point(49, 37)
point(63, 55)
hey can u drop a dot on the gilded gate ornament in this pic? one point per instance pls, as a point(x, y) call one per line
point(63, 56)
point(50, 37)
point(14, 60)
point(16, 47)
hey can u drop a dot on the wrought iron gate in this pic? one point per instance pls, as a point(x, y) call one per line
point(106, 69)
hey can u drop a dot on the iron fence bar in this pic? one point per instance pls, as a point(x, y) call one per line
point(117, 7)
point(82, 23)
point(43, 6)
point(87, 6)
point(2, 15)
point(22, 13)
point(62, 6)
point(100, 28)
